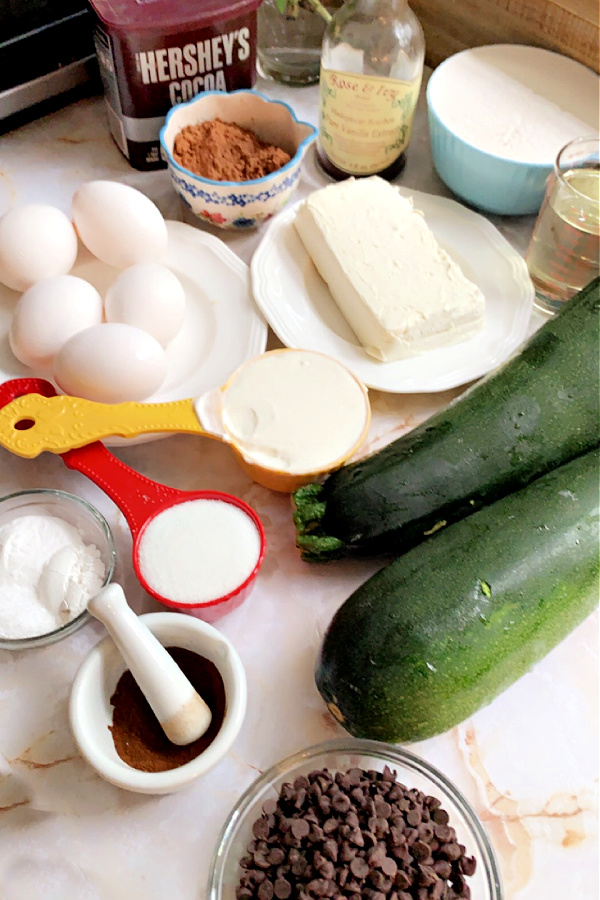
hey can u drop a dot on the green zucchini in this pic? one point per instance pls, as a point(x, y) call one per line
point(447, 626)
point(540, 409)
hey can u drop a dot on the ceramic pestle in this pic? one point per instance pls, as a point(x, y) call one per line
point(182, 713)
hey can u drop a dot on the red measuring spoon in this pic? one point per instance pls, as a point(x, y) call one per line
point(141, 500)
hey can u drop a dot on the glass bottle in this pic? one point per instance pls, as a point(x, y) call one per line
point(371, 69)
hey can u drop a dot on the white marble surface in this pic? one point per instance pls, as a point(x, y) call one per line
point(528, 762)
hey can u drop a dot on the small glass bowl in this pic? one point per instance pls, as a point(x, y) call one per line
point(340, 755)
point(82, 515)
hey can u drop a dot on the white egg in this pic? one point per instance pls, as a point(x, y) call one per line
point(110, 363)
point(118, 224)
point(36, 241)
point(150, 297)
point(48, 314)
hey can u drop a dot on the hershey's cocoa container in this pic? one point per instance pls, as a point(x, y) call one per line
point(153, 54)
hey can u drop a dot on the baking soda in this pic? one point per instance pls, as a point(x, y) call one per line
point(47, 575)
point(198, 551)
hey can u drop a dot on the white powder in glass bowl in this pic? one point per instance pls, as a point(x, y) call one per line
point(47, 575)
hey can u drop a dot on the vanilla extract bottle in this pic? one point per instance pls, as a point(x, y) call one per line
point(371, 70)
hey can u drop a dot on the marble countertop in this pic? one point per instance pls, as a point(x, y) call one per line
point(527, 763)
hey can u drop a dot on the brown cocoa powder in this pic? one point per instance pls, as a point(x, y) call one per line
point(138, 737)
point(223, 151)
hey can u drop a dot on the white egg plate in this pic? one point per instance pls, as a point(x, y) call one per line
point(222, 327)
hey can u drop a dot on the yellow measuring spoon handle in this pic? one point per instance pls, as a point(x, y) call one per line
point(32, 423)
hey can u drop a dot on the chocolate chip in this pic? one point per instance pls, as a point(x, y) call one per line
point(300, 798)
point(359, 868)
point(355, 835)
point(352, 819)
point(260, 859)
point(443, 832)
point(276, 856)
point(282, 889)
point(261, 829)
point(468, 865)
point(330, 825)
point(376, 855)
point(413, 817)
point(347, 853)
point(440, 816)
point(300, 828)
point(389, 867)
point(324, 804)
point(382, 808)
point(315, 834)
point(427, 876)
point(420, 850)
point(331, 849)
point(450, 851)
point(341, 803)
point(265, 891)
point(379, 881)
point(300, 867)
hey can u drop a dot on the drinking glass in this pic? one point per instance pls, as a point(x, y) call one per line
point(564, 252)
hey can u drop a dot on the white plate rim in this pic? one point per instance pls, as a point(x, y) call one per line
point(251, 328)
point(395, 377)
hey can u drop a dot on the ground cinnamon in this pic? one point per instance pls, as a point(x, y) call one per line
point(224, 151)
point(138, 737)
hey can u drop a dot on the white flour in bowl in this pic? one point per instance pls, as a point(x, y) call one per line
point(518, 102)
point(47, 575)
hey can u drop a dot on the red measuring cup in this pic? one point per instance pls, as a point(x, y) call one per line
point(142, 500)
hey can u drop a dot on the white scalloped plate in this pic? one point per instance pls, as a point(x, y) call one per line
point(301, 311)
point(222, 327)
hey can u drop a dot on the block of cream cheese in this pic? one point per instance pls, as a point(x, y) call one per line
point(396, 287)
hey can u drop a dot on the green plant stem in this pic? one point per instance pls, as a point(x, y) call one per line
point(320, 9)
point(290, 8)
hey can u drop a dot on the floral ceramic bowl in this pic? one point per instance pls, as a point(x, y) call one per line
point(238, 204)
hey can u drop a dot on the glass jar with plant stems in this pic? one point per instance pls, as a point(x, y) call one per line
point(290, 34)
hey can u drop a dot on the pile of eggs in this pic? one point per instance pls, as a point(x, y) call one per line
point(105, 349)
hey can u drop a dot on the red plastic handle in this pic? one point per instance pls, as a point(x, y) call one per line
point(17, 387)
point(137, 497)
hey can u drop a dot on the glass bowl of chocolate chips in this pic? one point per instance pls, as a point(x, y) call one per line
point(353, 819)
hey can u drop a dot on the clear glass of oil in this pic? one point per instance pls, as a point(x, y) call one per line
point(564, 252)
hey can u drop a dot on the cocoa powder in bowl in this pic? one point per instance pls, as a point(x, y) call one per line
point(224, 151)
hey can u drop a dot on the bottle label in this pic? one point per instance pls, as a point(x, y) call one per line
point(365, 121)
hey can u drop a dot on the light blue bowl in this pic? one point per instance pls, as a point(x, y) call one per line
point(488, 181)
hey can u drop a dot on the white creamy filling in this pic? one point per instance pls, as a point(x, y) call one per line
point(398, 289)
point(295, 411)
